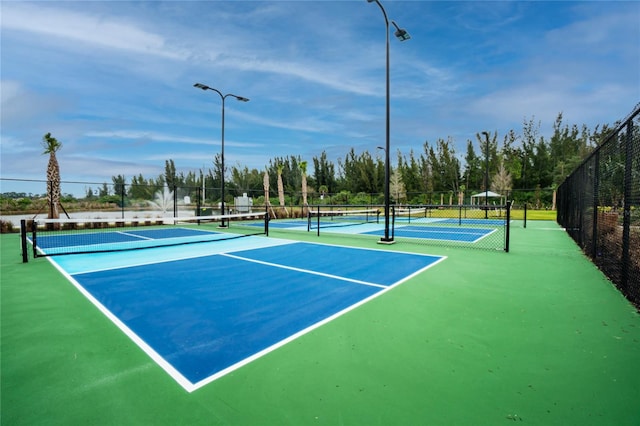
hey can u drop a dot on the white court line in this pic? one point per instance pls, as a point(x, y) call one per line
point(141, 237)
point(306, 271)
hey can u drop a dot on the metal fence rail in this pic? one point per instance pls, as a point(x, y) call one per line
point(599, 205)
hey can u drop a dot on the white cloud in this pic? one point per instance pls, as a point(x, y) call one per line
point(156, 137)
point(84, 28)
point(147, 135)
point(19, 105)
point(315, 73)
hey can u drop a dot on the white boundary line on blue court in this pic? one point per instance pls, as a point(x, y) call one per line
point(306, 271)
point(166, 366)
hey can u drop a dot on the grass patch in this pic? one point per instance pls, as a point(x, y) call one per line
point(534, 214)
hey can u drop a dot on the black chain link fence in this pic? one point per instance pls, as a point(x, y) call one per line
point(599, 205)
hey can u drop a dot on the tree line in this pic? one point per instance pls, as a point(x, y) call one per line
point(517, 161)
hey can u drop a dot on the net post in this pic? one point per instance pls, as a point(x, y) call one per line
point(266, 221)
point(121, 202)
point(198, 204)
point(525, 215)
point(506, 240)
point(393, 222)
point(318, 228)
point(23, 240)
point(175, 200)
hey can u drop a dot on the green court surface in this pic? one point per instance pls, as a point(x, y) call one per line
point(536, 336)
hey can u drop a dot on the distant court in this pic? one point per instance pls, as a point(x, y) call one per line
point(465, 230)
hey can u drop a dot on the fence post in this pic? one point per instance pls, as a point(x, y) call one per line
point(506, 242)
point(626, 220)
point(34, 240)
point(596, 189)
point(23, 240)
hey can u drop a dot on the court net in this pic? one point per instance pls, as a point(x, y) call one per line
point(333, 218)
point(51, 237)
point(408, 213)
point(469, 226)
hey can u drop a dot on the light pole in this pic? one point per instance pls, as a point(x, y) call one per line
point(402, 35)
point(222, 97)
point(486, 176)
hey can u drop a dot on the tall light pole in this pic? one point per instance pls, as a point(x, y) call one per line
point(402, 35)
point(222, 97)
point(486, 176)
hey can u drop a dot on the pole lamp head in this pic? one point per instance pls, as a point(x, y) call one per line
point(201, 86)
point(241, 98)
point(400, 33)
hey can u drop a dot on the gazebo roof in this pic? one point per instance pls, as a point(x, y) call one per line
point(488, 194)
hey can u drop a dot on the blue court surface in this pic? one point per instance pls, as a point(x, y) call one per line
point(201, 311)
point(448, 233)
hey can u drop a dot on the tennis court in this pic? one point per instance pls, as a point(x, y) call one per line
point(203, 310)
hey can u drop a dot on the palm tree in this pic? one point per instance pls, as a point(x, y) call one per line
point(281, 189)
point(267, 202)
point(51, 145)
point(265, 185)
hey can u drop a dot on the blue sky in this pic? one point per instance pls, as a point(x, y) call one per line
point(113, 80)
